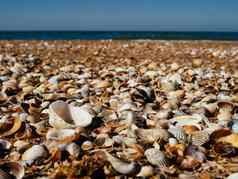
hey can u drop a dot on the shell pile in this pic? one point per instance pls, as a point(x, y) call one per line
point(163, 120)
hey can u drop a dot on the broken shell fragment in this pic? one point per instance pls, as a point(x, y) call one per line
point(121, 166)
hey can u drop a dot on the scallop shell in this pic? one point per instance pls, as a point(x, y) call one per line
point(34, 153)
point(10, 169)
point(156, 157)
point(178, 133)
point(121, 166)
point(63, 115)
point(200, 137)
point(152, 135)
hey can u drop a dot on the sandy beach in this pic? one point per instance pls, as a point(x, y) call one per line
point(108, 109)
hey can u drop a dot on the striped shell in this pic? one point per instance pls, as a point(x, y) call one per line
point(156, 157)
point(178, 133)
point(152, 135)
point(199, 138)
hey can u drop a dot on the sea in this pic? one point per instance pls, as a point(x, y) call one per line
point(116, 35)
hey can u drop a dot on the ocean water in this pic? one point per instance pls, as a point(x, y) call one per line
point(116, 35)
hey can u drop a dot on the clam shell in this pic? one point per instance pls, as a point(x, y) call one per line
point(62, 134)
point(9, 169)
point(156, 157)
point(200, 137)
point(16, 126)
point(152, 135)
point(63, 115)
point(34, 153)
point(4, 145)
point(121, 166)
point(186, 120)
point(178, 133)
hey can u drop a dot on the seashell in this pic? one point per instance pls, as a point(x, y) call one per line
point(103, 84)
point(63, 115)
point(128, 106)
point(200, 137)
point(156, 157)
point(4, 145)
point(64, 135)
point(189, 163)
point(194, 151)
point(3, 97)
point(10, 87)
point(152, 135)
point(11, 169)
point(34, 153)
point(234, 126)
point(178, 133)
point(87, 145)
point(172, 141)
point(189, 129)
point(217, 134)
point(225, 112)
point(225, 149)
point(187, 120)
point(21, 145)
point(233, 176)
point(197, 62)
point(211, 107)
point(142, 94)
point(121, 166)
point(177, 150)
point(104, 140)
point(133, 152)
point(230, 139)
point(146, 171)
point(163, 114)
point(15, 127)
point(73, 149)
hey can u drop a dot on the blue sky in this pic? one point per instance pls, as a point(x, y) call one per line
point(173, 15)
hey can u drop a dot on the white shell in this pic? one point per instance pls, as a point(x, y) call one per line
point(121, 166)
point(63, 115)
point(60, 134)
point(233, 176)
point(34, 153)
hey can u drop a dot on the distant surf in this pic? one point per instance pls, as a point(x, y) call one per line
point(116, 35)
